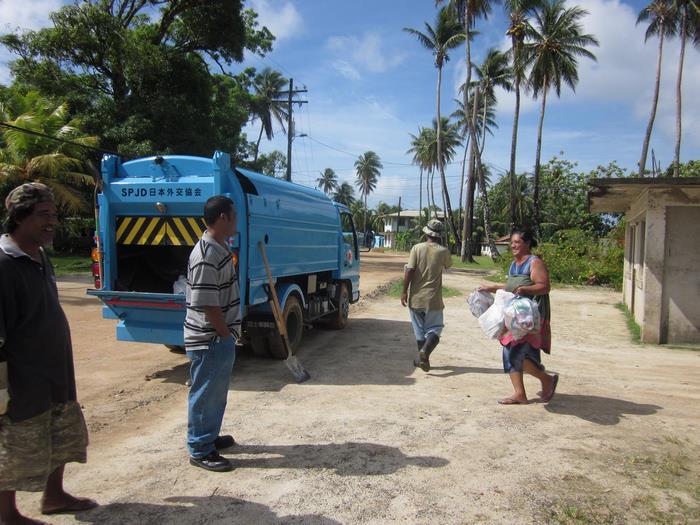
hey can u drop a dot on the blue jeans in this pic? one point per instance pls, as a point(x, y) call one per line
point(211, 373)
point(425, 322)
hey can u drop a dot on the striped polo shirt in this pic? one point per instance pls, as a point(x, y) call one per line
point(211, 281)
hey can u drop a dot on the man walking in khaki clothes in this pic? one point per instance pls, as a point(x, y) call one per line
point(422, 291)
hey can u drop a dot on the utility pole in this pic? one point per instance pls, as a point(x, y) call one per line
point(290, 121)
point(398, 220)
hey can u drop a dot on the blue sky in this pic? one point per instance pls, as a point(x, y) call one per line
point(370, 84)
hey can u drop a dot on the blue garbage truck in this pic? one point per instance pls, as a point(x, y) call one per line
point(149, 216)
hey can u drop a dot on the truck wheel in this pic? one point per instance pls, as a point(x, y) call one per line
point(339, 319)
point(176, 349)
point(293, 316)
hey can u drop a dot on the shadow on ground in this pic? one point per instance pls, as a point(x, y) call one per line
point(190, 510)
point(346, 459)
point(367, 352)
point(598, 409)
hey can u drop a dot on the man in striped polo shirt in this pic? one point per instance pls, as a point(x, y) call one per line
point(212, 326)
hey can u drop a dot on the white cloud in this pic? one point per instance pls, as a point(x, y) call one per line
point(282, 18)
point(625, 70)
point(347, 70)
point(22, 15)
point(365, 53)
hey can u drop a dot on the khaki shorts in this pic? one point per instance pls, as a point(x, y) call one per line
point(32, 449)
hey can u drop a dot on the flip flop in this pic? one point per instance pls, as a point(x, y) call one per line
point(511, 401)
point(555, 380)
point(79, 505)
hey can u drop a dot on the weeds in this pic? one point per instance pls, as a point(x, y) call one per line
point(635, 331)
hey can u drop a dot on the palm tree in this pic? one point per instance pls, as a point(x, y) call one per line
point(688, 18)
point(368, 169)
point(468, 11)
point(446, 34)
point(420, 148)
point(518, 12)
point(555, 40)
point(345, 194)
point(268, 84)
point(24, 158)
point(328, 181)
point(662, 23)
point(494, 72)
point(484, 125)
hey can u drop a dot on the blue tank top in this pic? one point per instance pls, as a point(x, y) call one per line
point(523, 269)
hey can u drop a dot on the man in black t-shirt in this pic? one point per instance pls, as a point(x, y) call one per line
point(41, 423)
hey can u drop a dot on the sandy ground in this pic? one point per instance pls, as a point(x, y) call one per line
point(370, 439)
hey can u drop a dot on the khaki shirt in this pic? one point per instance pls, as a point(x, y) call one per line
point(428, 259)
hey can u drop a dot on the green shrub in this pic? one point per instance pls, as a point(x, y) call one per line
point(74, 235)
point(407, 240)
point(578, 257)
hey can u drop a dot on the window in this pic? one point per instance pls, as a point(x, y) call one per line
point(349, 233)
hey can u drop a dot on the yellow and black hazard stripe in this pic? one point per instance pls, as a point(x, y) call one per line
point(160, 231)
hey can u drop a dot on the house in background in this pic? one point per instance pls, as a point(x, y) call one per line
point(502, 246)
point(661, 283)
point(400, 222)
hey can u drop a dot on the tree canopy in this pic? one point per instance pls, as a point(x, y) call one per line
point(147, 76)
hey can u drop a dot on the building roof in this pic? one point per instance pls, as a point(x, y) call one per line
point(411, 214)
point(501, 240)
point(611, 195)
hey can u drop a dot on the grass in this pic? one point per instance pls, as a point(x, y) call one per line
point(67, 264)
point(482, 262)
point(635, 331)
point(397, 287)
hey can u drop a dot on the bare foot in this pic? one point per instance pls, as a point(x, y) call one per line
point(66, 504)
point(513, 400)
point(548, 393)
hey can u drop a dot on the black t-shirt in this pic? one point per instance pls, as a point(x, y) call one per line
point(37, 344)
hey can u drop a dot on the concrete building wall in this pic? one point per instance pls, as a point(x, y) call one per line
point(661, 284)
point(681, 298)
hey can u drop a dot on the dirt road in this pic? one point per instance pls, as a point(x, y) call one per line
point(370, 439)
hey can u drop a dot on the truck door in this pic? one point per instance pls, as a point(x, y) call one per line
point(350, 254)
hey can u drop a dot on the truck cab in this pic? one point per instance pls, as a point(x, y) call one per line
point(150, 217)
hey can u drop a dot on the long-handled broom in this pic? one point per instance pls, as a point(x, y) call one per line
point(298, 371)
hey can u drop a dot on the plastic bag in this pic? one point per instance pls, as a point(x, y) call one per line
point(521, 317)
point(479, 302)
point(180, 286)
point(492, 321)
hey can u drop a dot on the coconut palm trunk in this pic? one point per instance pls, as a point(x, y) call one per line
point(467, 248)
point(441, 165)
point(461, 185)
point(679, 102)
point(257, 144)
point(654, 104)
point(536, 182)
point(514, 136)
point(475, 144)
point(420, 198)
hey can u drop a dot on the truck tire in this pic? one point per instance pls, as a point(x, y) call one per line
point(293, 317)
point(339, 319)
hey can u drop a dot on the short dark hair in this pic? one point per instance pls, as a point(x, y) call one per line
point(526, 235)
point(22, 200)
point(215, 206)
